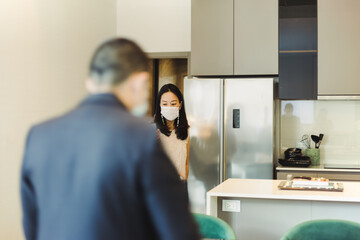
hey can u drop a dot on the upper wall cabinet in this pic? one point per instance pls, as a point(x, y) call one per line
point(212, 43)
point(256, 37)
point(234, 37)
point(339, 43)
point(298, 49)
point(157, 25)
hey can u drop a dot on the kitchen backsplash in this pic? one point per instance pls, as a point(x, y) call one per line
point(339, 121)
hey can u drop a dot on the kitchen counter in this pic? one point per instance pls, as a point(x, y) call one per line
point(268, 189)
point(259, 210)
point(334, 174)
point(318, 169)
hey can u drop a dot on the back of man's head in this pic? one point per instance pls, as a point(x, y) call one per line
point(116, 60)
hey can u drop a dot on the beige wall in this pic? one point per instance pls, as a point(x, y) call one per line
point(45, 46)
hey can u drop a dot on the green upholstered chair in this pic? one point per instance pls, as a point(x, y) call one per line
point(324, 230)
point(213, 227)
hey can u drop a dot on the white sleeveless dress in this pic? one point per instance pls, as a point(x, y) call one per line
point(176, 149)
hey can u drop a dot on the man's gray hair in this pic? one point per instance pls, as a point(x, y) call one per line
point(115, 60)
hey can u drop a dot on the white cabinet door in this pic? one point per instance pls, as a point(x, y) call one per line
point(212, 37)
point(157, 25)
point(338, 47)
point(256, 37)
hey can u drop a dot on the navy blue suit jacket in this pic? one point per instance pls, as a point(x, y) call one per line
point(99, 173)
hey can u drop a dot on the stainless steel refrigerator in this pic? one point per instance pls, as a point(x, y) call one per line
point(231, 132)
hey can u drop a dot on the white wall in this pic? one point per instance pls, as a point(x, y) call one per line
point(45, 46)
point(158, 25)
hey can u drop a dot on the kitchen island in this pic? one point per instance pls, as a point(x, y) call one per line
point(257, 209)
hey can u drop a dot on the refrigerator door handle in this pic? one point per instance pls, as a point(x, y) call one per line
point(221, 132)
point(236, 118)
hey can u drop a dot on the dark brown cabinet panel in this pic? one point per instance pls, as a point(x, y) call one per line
point(298, 49)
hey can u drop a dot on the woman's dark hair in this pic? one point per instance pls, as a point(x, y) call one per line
point(181, 123)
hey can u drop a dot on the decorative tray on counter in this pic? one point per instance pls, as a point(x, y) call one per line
point(332, 187)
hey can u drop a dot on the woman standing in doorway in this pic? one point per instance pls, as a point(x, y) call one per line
point(172, 125)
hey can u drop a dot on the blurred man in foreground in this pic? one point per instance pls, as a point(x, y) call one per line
point(98, 172)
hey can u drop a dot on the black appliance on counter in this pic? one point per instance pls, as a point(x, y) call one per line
point(294, 158)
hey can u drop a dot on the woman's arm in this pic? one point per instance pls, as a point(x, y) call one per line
point(187, 158)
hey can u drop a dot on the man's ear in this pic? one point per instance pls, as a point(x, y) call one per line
point(90, 85)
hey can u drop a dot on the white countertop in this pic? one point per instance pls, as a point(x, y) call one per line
point(317, 169)
point(268, 189)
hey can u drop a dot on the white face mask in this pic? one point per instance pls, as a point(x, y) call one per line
point(140, 110)
point(170, 113)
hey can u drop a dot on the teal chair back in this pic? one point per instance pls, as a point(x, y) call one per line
point(324, 230)
point(213, 227)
